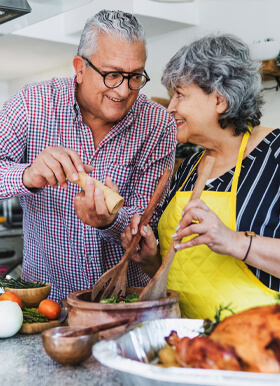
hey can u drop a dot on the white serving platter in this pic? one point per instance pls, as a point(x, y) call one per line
point(132, 352)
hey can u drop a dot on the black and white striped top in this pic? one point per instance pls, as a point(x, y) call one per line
point(258, 193)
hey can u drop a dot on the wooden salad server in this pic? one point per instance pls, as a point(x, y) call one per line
point(156, 289)
point(113, 282)
point(113, 200)
point(98, 328)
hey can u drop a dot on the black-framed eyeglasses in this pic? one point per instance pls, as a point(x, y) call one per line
point(114, 79)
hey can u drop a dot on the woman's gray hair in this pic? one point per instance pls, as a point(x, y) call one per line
point(121, 25)
point(220, 64)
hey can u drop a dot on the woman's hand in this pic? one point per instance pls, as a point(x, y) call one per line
point(146, 254)
point(210, 230)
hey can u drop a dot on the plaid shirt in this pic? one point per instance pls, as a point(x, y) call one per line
point(58, 247)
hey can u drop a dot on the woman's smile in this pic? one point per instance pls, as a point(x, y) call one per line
point(180, 122)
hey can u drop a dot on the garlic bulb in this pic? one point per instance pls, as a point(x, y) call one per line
point(11, 318)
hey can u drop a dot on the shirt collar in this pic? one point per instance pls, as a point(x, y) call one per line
point(72, 97)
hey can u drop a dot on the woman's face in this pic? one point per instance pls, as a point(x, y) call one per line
point(196, 114)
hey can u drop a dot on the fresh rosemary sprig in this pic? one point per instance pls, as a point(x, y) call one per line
point(210, 325)
point(20, 283)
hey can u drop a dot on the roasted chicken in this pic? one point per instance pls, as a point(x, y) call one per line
point(202, 352)
point(247, 341)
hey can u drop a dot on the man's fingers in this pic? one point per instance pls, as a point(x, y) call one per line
point(69, 160)
point(130, 231)
point(126, 237)
point(111, 184)
point(75, 159)
point(100, 206)
point(88, 168)
point(134, 223)
point(89, 192)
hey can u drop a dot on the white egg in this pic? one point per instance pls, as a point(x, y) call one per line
point(11, 318)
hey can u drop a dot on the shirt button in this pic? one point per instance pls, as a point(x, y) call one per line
point(88, 227)
point(90, 258)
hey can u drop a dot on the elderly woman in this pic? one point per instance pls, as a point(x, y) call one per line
point(231, 236)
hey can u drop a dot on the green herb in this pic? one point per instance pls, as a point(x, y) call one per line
point(20, 283)
point(210, 325)
point(277, 298)
point(131, 298)
point(121, 299)
point(31, 315)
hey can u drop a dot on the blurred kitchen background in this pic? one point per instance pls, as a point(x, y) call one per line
point(42, 40)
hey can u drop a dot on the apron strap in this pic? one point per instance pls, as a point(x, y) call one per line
point(240, 159)
point(192, 170)
point(238, 164)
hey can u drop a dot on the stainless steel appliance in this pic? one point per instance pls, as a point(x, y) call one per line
point(11, 9)
point(11, 241)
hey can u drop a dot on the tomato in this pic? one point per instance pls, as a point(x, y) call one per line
point(49, 308)
point(12, 297)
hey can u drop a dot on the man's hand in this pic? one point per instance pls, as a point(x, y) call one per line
point(50, 167)
point(90, 206)
point(146, 255)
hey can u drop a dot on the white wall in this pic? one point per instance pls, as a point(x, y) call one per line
point(4, 92)
point(14, 85)
point(251, 20)
point(9, 88)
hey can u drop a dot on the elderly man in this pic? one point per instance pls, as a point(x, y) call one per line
point(96, 122)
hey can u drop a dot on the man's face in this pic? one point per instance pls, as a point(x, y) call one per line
point(95, 99)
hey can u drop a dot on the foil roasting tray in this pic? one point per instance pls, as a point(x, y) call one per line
point(132, 354)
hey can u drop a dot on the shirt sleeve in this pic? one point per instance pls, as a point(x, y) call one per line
point(13, 129)
point(159, 155)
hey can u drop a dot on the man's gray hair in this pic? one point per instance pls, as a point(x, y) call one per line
point(222, 64)
point(120, 24)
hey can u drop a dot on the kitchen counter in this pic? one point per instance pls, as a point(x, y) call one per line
point(24, 362)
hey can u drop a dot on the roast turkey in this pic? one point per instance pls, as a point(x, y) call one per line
point(247, 341)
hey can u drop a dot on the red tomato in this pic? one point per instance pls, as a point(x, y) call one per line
point(49, 308)
point(11, 296)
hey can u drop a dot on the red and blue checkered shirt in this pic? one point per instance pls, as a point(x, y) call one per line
point(58, 247)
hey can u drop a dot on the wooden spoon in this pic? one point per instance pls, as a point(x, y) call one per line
point(115, 279)
point(98, 328)
point(156, 289)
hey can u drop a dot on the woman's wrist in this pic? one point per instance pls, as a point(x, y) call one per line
point(242, 245)
point(250, 235)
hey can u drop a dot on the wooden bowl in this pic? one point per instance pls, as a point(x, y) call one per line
point(83, 312)
point(67, 350)
point(31, 297)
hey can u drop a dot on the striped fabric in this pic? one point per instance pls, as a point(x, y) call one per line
point(58, 247)
point(258, 194)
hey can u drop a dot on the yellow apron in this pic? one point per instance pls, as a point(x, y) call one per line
point(204, 278)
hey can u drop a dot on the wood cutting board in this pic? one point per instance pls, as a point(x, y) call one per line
point(35, 328)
